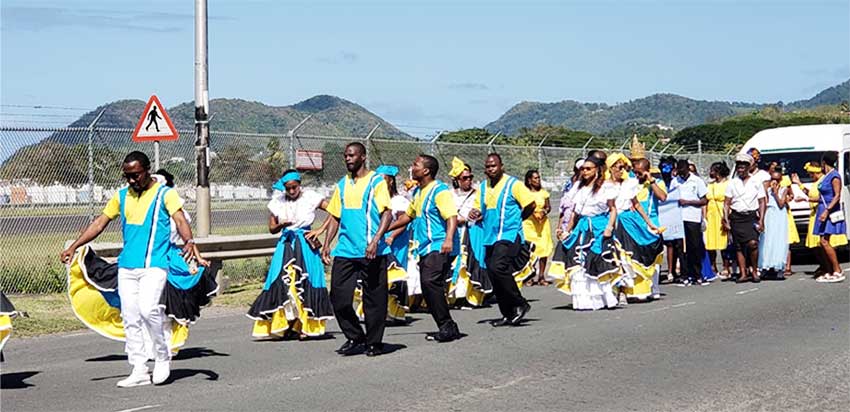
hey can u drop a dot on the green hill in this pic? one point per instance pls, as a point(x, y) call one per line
point(666, 110)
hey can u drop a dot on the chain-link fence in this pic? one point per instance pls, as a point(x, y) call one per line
point(54, 181)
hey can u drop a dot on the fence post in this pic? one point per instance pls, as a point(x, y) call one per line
point(368, 145)
point(433, 144)
point(540, 156)
point(291, 135)
point(699, 154)
point(91, 164)
point(490, 143)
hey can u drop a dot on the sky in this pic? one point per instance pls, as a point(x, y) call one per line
point(422, 65)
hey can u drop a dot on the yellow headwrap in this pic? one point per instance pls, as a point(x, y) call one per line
point(809, 167)
point(616, 157)
point(458, 166)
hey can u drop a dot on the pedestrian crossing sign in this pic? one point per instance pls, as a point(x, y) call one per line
point(154, 125)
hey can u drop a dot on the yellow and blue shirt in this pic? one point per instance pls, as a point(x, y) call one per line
point(502, 209)
point(648, 200)
point(432, 207)
point(358, 204)
point(145, 224)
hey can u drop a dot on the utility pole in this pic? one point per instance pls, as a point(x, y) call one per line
point(368, 139)
point(202, 125)
point(291, 136)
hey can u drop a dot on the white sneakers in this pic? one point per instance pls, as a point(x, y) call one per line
point(138, 377)
point(161, 370)
point(141, 377)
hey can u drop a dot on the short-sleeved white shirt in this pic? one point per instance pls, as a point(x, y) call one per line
point(694, 188)
point(300, 212)
point(588, 203)
point(760, 176)
point(626, 192)
point(465, 201)
point(745, 195)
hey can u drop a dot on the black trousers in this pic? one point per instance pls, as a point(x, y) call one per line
point(694, 250)
point(501, 260)
point(433, 270)
point(372, 275)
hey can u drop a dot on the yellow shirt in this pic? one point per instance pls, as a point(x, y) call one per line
point(136, 206)
point(354, 195)
point(491, 198)
point(445, 202)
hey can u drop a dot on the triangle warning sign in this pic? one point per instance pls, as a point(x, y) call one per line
point(154, 123)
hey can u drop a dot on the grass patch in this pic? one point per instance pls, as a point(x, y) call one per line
point(47, 314)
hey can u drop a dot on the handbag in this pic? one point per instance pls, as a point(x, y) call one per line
point(836, 216)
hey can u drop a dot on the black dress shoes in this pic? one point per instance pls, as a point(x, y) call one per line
point(375, 350)
point(350, 347)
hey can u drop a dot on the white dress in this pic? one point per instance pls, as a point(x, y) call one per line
point(586, 291)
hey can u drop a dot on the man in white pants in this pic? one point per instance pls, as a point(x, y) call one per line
point(146, 208)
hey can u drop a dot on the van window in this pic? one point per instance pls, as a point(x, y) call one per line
point(793, 162)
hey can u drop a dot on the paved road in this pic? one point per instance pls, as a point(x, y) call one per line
point(766, 347)
point(72, 224)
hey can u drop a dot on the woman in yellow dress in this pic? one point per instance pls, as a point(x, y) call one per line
point(716, 238)
point(536, 229)
point(815, 171)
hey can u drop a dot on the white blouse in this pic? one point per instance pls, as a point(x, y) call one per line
point(626, 192)
point(588, 203)
point(300, 212)
point(464, 201)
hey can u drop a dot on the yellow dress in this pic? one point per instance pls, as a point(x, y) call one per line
point(813, 241)
point(793, 235)
point(715, 237)
point(539, 232)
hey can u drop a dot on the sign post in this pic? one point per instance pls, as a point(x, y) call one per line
point(154, 125)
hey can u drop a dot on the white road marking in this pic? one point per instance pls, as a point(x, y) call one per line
point(141, 408)
point(744, 292)
point(679, 305)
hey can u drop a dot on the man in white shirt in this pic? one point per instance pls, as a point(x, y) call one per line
point(760, 175)
point(692, 198)
point(743, 217)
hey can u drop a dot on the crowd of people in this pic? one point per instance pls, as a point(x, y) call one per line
point(431, 246)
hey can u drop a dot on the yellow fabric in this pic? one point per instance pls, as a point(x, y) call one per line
point(562, 276)
point(491, 198)
point(292, 315)
point(808, 167)
point(536, 231)
point(136, 207)
point(5, 330)
point(89, 305)
point(445, 202)
point(785, 181)
point(813, 241)
point(179, 336)
point(793, 234)
point(457, 167)
point(715, 237)
point(354, 195)
point(395, 310)
point(616, 157)
point(643, 193)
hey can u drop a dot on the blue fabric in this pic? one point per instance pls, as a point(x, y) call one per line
point(358, 226)
point(476, 240)
point(388, 170)
point(112, 298)
point(279, 185)
point(636, 227)
point(457, 262)
point(773, 242)
point(501, 223)
point(430, 228)
point(312, 260)
point(707, 271)
point(400, 248)
point(594, 224)
point(826, 196)
point(137, 238)
point(670, 216)
point(650, 205)
point(178, 271)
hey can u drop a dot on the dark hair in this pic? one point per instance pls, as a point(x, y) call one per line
point(829, 159)
point(137, 156)
point(496, 155)
point(643, 162)
point(169, 178)
point(431, 163)
point(528, 176)
point(359, 147)
point(599, 154)
point(599, 180)
point(683, 164)
point(720, 168)
point(391, 185)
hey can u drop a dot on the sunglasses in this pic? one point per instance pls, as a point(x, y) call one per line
point(133, 176)
point(465, 177)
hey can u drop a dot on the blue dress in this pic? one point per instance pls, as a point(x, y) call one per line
point(826, 196)
point(773, 242)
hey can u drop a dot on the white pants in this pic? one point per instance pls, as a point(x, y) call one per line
point(140, 291)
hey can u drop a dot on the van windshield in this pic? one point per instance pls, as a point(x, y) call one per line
point(792, 162)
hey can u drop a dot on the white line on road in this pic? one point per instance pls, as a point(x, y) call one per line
point(141, 408)
point(744, 292)
point(679, 305)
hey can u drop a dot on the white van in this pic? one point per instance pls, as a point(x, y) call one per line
point(793, 146)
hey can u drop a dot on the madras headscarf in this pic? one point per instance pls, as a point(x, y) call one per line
point(458, 166)
point(810, 168)
point(387, 170)
point(288, 177)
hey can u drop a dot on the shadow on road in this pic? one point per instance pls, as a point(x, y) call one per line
point(192, 353)
point(108, 358)
point(177, 374)
point(16, 380)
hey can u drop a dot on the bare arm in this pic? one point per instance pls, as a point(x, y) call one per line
point(333, 227)
point(401, 222)
point(528, 211)
point(190, 249)
point(642, 212)
point(451, 227)
point(727, 207)
point(612, 219)
point(762, 210)
point(275, 225)
point(94, 229)
point(372, 248)
point(659, 193)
